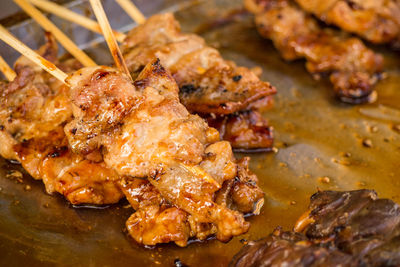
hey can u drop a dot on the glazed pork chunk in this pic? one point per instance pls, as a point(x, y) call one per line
point(142, 130)
point(353, 68)
point(377, 21)
point(34, 109)
point(208, 85)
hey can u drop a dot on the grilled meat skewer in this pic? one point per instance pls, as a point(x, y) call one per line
point(377, 21)
point(353, 68)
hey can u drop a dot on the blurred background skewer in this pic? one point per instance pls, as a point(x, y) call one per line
point(48, 26)
point(71, 16)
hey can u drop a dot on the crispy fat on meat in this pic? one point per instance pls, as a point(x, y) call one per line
point(353, 68)
point(377, 21)
point(144, 131)
point(353, 228)
point(207, 82)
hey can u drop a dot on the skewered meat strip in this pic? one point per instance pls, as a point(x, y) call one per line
point(352, 228)
point(377, 21)
point(34, 108)
point(207, 82)
point(144, 131)
point(354, 69)
point(209, 85)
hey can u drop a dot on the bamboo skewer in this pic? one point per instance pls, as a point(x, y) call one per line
point(8, 72)
point(69, 15)
point(132, 11)
point(8, 38)
point(109, 36)
point(47, 25)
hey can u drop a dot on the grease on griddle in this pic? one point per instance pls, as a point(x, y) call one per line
point(178, 263)
point(367, 143)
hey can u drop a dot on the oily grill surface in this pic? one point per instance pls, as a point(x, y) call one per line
point(319, 141)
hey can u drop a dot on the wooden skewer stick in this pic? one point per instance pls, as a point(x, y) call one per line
point(8, 38)
point(8, 72)
point(109, 36)
point(47, 25)
point(69, 15)
point(132, 11)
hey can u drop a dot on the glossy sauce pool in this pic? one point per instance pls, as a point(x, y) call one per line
point(322, 144)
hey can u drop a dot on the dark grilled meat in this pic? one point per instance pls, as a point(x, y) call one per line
point(377, 21)
point(352, 228)
point(353, 68)
point(289, 249)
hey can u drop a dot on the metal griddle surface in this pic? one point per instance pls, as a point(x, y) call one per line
point(319, 143)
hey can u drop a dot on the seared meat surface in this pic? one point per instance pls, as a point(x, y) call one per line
point(353, 68)
point(377, 21)
point(353, 228)
point(208, 84)
point(144, 131)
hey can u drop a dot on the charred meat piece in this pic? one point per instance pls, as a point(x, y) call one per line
point(377, 21)
point(207, 82)
point(357, 222)
point(144, 131)
point(247, 131)
point(353, 228)
point(289, 249)
point(353, 68)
